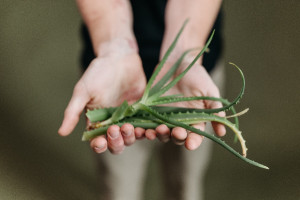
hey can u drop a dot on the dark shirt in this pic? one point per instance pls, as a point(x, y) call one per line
point(149, 28)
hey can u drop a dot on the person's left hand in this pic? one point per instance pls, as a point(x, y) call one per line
point(197, 82)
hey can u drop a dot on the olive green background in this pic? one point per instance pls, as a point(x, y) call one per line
point(39, 54)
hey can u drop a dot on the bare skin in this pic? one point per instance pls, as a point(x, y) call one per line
point(108, 81)
point(196, 82)
point(116, 74)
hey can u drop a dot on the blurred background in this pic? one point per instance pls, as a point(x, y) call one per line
point(39, 65)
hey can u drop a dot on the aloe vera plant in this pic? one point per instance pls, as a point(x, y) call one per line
point(147, 113)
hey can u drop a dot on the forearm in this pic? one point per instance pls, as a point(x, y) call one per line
point(107, 20)
point(201, 15)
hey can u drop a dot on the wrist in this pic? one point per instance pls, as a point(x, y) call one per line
point(189, 39)
point(117, 47)
point(201, 15)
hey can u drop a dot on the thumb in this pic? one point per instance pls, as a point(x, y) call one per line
point(75, 107)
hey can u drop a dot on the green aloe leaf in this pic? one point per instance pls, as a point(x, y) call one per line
point(175, 80)
point(212, 137)
point(169, 74)
point(162, 62)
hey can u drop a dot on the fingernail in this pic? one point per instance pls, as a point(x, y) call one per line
point(114, 134)
point(178, 141)
point(127, 133)
point(97, 149)
point(165, 139)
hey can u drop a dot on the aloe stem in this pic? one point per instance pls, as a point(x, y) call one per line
point(212, 137)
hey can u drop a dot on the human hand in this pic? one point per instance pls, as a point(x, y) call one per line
point(114, 76)
point(196, 82)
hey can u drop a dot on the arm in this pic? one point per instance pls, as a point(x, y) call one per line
point(107, 21)
point(202, 15)
point(114, 75)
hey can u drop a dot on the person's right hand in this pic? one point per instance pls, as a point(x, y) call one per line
point(114, 76)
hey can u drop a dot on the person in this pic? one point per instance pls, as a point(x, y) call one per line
point(126, 41)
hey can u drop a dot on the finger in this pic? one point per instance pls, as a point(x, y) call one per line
point(150, 134)
point(115, 140)
point(99, 144)
point(163, 133)
point(193, 140)
point(127, 131)
point(218, 127)
point(75, 107)
point(139, 133)
point(179, 135)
